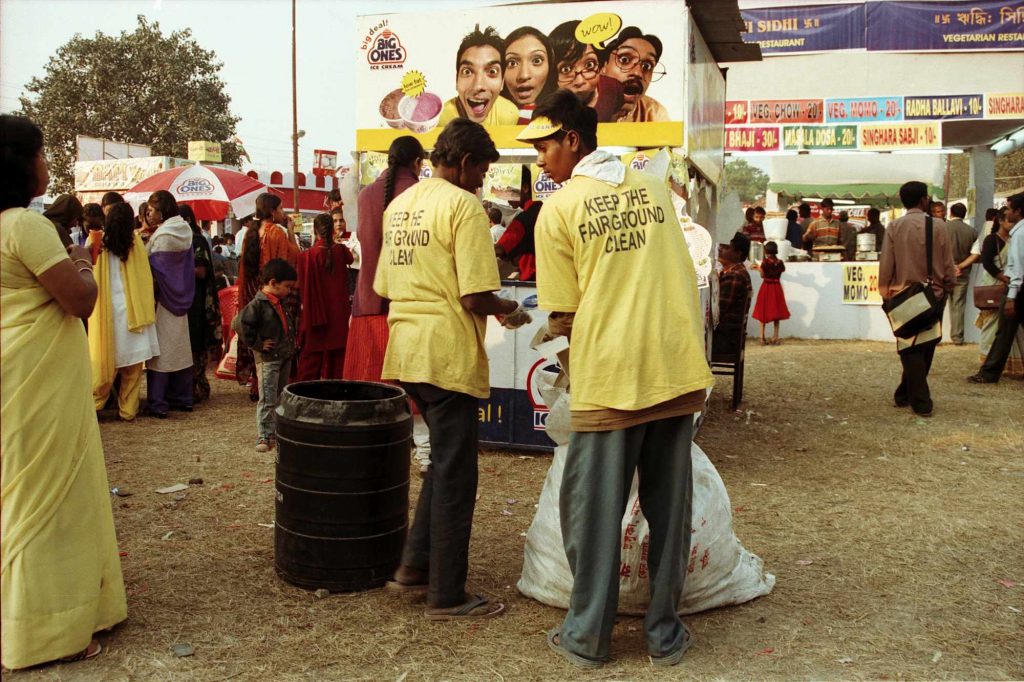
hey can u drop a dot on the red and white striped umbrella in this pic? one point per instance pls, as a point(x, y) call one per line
point(208, 190)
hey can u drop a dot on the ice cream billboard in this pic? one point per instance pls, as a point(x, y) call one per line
point(416, 72)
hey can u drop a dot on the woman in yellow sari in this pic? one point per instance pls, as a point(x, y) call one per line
point(60, 578)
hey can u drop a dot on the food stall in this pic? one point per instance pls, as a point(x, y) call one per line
point(407, 79)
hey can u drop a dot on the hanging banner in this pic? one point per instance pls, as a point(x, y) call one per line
point(416, 72)
point(736, 111)
point(860, 284)
point(897, 136)
point(899, 26)
point(943, 107)
point(819, 137)
point(787, 111)
point(751, 139)
point(1007, 105)
point(863, 109)
point(502, 182)
point(787, 30)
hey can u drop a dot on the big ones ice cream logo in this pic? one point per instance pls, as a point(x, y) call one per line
point(385, 51)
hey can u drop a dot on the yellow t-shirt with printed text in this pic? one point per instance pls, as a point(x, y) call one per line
point(616, 256)
point(503, 113)
point(436, 249)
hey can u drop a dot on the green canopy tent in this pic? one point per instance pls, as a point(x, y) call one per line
point(876, 193)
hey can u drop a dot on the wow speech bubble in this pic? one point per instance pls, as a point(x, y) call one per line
point(598, 29)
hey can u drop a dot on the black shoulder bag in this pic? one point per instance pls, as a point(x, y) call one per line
point(916, 307)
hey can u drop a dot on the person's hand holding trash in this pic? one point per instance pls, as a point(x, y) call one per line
point(515, 319)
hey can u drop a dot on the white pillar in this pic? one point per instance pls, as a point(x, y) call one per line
point(981, 184)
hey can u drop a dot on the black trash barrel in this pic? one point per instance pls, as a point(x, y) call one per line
point(342, 483)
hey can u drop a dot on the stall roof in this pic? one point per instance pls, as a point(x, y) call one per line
point(860, 191)
point(721, 24)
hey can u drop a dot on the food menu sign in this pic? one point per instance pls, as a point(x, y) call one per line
point(492, 65)
point(859, 123)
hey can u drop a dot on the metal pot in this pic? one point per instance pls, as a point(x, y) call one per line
point(866, 242)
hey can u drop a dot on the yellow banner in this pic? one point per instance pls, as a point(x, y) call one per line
point(891, 136)
point(646, 135)
point(1005, 105)
point(860, 284)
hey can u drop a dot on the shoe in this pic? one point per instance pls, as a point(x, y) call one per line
point(262, 445)
point(675, 657)
point(901, 402)
point(981, 379)
point(159, 415)
point(555, 644)
point(181, 408)
point(923, 413)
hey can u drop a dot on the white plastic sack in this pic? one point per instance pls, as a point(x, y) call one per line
point(720, 571)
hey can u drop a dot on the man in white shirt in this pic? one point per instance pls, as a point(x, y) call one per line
point(1010, 313)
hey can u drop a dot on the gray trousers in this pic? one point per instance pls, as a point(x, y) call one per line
point(438, 540)
point(957, 306)
point(599, 470)
point(273, 378)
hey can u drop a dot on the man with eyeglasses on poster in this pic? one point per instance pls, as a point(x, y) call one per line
point(632, 58)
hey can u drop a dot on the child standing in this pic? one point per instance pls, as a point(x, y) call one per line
point(771, 300)
point(268, 330)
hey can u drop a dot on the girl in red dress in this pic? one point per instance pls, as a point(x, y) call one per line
point(771, 300)
point(323, 287)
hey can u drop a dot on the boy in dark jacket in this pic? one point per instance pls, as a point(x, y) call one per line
point(267, 329)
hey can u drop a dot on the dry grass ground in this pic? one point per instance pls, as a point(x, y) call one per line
point(889, 535)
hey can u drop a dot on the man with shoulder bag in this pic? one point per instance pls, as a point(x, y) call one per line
point(915, 274)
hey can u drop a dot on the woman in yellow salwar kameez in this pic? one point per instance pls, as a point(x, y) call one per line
point(60, 578)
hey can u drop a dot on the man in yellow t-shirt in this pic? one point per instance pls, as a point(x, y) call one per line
point(614, 270)
point(479, 80)
point(437, 268)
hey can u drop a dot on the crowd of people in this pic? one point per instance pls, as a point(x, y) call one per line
point(98, 297)
point(957, 246)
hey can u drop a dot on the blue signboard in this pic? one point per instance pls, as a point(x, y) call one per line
point(786, 30)
point(947, 107)
point(863, 109)
point(928, 26)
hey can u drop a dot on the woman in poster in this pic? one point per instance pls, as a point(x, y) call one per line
point(578, 70)
point(528, 71)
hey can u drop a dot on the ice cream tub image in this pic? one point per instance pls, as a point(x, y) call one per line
point(389, 109)
point(420, 114)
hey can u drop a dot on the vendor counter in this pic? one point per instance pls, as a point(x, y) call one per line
point(515, 414)
point(840, 301)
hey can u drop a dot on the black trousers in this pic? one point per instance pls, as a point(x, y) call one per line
point(1006, 332)
point(913, 388)
point(438, 541)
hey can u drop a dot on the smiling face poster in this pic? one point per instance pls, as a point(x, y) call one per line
point(416, 72)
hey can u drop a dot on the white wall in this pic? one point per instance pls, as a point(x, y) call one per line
point(814, 295)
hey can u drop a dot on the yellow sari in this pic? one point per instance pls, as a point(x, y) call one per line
point(60, 577)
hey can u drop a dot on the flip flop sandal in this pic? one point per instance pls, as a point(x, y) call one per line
point(675, 657)
point(395, 586)
point(575, 659)
point(476, 608)
point(92, 651)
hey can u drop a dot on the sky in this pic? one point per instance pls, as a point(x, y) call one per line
point(253, 40)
